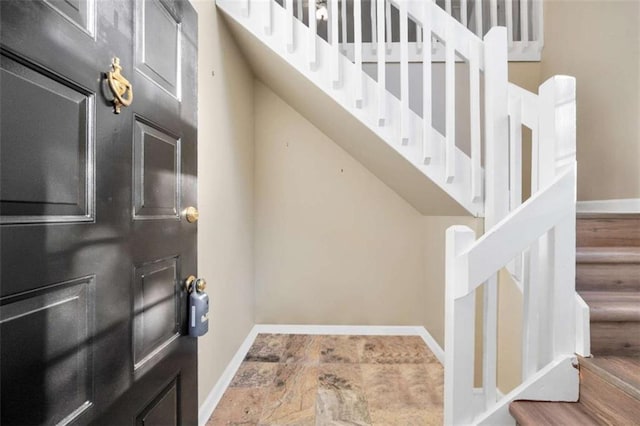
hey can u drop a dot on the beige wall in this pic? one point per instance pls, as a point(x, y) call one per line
point(225, 193)
point(598, 42)
point(335, 245)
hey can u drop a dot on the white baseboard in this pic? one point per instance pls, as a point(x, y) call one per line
point(364, 330)
point(209, 405)
point(622, 206)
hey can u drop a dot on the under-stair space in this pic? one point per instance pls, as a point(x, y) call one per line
point(608, 279)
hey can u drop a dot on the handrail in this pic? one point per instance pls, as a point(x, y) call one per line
point(520, 228)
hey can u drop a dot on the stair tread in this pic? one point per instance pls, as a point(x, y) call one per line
point(622, 372)
point(550, 413)
point(608, 277)
point(613, 305)
point(608, 230)
point(608, 254)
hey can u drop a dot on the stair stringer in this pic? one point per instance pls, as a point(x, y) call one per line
point(453, 195)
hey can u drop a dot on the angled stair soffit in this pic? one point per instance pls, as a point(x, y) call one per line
point(344, 128)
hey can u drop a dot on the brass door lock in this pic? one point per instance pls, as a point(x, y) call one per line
point(191, 214)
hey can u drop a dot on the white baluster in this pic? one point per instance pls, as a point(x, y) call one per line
point(289, 23)
point(490, 341)
point(357, 45)
point(427, 120)
point(382, 65)
point(345, 38)
point(474, 116)
point(268, 19)
point(245, 7)
point(538, 16)
point(299, 10)
point(515, 153)
point(404, 74)
point(494, 12)
point(389, 28)
point(450, 103)
point(463, 13)
point(374, 43)
point(418, 38)
point(530, 313)
point(448, 8)
point(312, 53)
point(478, 11)
point(509, 20)
point(459, 330)
point(335, 44)
point(524, 22)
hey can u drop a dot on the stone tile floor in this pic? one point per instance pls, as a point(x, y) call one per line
point(334, 380)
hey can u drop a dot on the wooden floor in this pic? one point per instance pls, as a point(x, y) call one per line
point(334, 380)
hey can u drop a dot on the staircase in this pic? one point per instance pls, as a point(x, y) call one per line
point(433, 166)
point(608, 279)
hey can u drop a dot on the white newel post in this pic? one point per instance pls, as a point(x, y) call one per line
point(496, 179)
point(459, 331)
point(558, 155)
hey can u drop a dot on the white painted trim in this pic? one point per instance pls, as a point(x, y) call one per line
point(621, 206)
point(557, 381)
point(209, 405)
point(432, 344)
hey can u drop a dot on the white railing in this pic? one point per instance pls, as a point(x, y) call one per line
point(534, 239)
point(540, 234)
point(522, 18)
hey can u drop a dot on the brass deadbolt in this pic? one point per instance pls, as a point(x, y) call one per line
point(191, 214)
point(189, 282)
point(199, 283)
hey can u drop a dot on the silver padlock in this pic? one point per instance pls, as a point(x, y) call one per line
point(198, 307)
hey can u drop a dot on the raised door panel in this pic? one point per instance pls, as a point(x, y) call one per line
point(156, 308)
point(47, 146)
point(158, 32)
point(48, 364)
point(156, 163)
point(79, 12)
point(164, 409)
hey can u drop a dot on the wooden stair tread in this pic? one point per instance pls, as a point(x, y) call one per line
point(608, 277)
point(608, 254)
point(608, 391)
point(550, 413)
point(622, 372)
point(608, 231)
point(613, 305)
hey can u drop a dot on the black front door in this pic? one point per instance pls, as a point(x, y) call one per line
point(94, 246)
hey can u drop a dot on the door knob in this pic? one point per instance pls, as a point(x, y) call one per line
point(191, 214)
point(191, 281)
